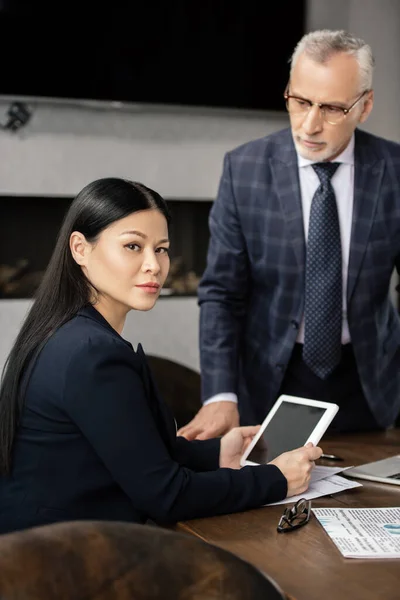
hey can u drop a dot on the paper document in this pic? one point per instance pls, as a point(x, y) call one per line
point(363, 532)
point(324, 472)
point(324, 482)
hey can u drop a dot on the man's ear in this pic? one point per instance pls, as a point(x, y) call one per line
point(80, 247)
point(368, 104)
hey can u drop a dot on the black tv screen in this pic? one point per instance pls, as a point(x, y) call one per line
point(186, 52)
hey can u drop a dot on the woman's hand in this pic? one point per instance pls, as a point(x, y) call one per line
point(296, 466)
point(234, 443)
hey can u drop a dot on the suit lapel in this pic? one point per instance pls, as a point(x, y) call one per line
point(368, 172)
point(284, 169)
point(144, 371)
point(160, 410)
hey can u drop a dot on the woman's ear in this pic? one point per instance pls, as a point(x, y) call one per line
point(80, 247)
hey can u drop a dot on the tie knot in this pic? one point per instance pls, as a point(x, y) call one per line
point(325, 170)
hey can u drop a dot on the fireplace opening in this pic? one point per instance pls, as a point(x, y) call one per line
point(28, 232)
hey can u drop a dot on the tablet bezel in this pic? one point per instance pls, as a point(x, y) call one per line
point(315, 436)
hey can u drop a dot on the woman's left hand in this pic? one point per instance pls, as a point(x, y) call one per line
point(234, 443)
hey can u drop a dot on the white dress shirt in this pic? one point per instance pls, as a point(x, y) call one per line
point(343, 185)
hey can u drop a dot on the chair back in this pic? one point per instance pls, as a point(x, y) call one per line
point(84, 560)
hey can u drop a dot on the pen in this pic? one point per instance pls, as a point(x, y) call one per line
point(331, 457)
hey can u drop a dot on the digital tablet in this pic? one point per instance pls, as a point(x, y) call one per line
point(291, 423)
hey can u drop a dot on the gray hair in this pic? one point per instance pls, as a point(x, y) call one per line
point(321, 45)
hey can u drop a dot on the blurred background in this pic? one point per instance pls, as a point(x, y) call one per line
point(155, 92)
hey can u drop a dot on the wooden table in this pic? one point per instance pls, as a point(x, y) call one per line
point(305, 563)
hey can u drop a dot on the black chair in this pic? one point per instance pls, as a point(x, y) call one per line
point(179, 386)
point(87, 560)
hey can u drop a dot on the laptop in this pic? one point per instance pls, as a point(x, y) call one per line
point(386, 470)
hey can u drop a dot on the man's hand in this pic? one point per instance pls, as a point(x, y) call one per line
point(234, 443)
point(211, 421)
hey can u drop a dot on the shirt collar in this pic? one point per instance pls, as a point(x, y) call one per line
point(347, 156)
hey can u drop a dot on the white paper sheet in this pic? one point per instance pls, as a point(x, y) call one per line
point(322, 487)
point(324, 472)
point(363, 532)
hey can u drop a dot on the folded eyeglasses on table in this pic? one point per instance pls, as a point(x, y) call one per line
point(295, 517)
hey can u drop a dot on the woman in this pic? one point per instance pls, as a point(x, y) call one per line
point(83, 433)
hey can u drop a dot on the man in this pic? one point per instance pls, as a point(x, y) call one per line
point(305, 235)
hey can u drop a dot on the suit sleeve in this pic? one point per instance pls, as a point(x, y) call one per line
point(105, 396)
point(222, 293)
point(199, 455)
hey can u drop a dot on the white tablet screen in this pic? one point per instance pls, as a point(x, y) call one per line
point(289, 428)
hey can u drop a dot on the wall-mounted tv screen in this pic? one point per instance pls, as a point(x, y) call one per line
point(186, 52)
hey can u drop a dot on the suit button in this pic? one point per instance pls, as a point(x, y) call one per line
point(280, 366)
point(294, 324)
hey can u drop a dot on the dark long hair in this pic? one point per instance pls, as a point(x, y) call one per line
point(64, 289)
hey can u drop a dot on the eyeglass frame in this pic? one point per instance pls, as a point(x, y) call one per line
point(322, 105)
point(301, 507)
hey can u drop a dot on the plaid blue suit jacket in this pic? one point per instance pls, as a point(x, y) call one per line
point(251, 295)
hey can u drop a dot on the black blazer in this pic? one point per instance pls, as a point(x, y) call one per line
point(95, 441)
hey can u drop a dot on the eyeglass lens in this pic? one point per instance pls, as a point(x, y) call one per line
point(331, 114)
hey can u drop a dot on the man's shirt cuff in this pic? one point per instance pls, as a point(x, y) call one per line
point(228, 396)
